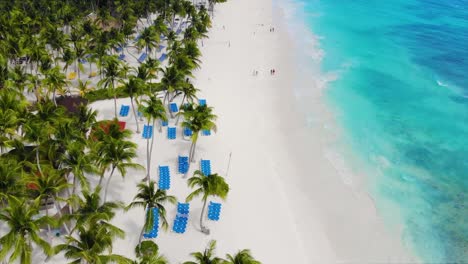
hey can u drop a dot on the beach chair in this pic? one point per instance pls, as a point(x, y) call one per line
point(214, 210)
point(154, 231)
point(147, 132)
point(119, 49)
point(206, 132)
point(188, 132)
point(92, 74)
point(82, 61)
point(164, 178)
point(122, 57)
point(183, 164)
point(202, 101)
point(124, 109)
point(178, 31)
point(173, 107)
point(164, 123)
point(205, 167)
point(171, 133)
point(161, 47)
point(163, 57)
point(180, 222)
point(142, 57)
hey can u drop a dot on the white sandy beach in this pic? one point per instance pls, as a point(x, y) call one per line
point(287, 203)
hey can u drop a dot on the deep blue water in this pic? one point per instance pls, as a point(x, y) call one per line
point(401, 98)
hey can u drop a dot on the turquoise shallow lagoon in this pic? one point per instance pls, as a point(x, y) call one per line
point(401, 99)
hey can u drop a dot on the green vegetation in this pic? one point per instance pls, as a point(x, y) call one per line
point(53, 158)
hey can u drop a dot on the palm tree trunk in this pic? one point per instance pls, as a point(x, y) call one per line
point(180, 107)
point(152, 141)
point(202, 214)
point(53, 97)
point(115, 99)
point(47, 214)
point(37, 159)
point(192, 150)
point(60, 215)
point(102, 177)
point(107, 184)
point(147, 178)
point(135, 115)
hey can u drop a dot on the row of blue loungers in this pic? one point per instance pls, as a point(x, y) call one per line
point(154, 230)
point(180, 222)
point(164, 178)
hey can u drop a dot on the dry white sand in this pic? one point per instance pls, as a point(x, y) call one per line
point(287, 202)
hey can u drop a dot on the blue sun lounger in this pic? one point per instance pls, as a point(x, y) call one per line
point(119, 49)
point(202, 101)
point(82, 61)
point(154, 231)
point(142, 57)
point(164, 123)
point(164, 178)
point(183, 164)
point(205, 167)
point(180, 222)
point(122, 57)
point(124, 109)
point(171, 133)
point(161, 47)
point(178, 31)
point(188, 132)
point(214, 209)
point(147, 132)
point(206, 132)
point(173, 107)
point(163, 57)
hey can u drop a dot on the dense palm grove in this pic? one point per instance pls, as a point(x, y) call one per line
point(56, 163)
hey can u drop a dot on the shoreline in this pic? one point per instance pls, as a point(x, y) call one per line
point(353, 225)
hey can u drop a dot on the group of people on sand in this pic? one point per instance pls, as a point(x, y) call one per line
point(272, 72)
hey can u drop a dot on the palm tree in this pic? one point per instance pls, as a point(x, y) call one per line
point(207, 256)
point(241, 257)
point(85, 119)
point(24, 227)
point(56, 80)
point(210, 185)
point(192, 51)
point(147, 252)
point(10, 174)
point(132, 87)
point(90, 210)
point(148, 197)
point(190, 93)
point(93, 242)
point(152, 109)
point(171, 81)
point(77, 161)
point(48, 185)
point(197, 119)
point(112, 71)
point(68, 58)
point(149, 40)
point(116, 153)
point(42, 125)
point(8, 125)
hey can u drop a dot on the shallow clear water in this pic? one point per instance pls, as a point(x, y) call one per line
point(401, 98)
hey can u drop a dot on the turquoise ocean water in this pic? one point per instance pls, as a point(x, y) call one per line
point(401, 99)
